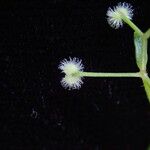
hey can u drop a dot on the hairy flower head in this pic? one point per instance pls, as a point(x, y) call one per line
point(71, 68)
point(115, 15)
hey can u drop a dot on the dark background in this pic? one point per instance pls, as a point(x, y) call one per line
point(36, 111)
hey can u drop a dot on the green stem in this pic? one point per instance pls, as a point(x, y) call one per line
point(146, 81)
point(132, 25)
point(147, 34)
point(147, 90)
point(101, 74)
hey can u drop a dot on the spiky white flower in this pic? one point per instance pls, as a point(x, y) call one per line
point(71, 68)
point(115, 18)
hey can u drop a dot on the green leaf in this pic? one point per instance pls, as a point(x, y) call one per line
point(138, 49)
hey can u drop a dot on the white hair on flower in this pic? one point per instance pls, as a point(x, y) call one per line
point(71, 68)
point(115, 19)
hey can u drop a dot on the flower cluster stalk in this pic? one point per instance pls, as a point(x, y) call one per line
point(102, 74)
point(132, 25)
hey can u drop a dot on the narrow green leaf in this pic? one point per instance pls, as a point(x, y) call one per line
point(138, 49)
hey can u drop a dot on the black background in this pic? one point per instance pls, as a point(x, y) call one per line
point(36, 111)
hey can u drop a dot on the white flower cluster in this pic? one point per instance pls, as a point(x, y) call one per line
point(71, 68)
point(115, 18)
